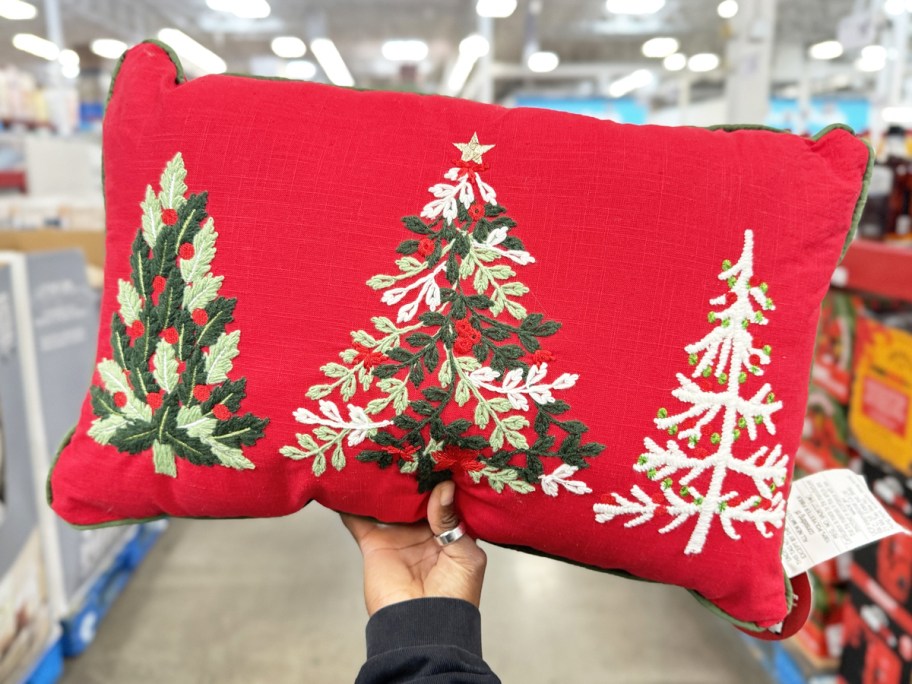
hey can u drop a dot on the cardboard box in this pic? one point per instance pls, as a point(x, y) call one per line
point(90, 242)
point(889, 485)
point(833, 358)
point(889, 563)
point(24, 608)
point(821, 635)
point(880, 412)
point(877, 646)
point(55, 313)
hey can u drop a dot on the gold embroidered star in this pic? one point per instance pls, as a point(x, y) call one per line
point(472, 151)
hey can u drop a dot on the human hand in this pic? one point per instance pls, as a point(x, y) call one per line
point(403, 562)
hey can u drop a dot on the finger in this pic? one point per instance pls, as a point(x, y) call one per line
point(442, 516)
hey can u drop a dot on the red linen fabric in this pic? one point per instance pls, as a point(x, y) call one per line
point(628, 226)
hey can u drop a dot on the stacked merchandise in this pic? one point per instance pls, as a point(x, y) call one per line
point(26, 626)
point(878, 615)
point(55, 313)
point(824, 445)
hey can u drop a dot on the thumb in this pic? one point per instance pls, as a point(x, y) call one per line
point(442, 517)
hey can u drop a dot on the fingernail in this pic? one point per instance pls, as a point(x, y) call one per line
point(446, 494)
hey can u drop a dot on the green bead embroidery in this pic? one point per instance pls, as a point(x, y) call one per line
point(662, 413)
point(715, 438)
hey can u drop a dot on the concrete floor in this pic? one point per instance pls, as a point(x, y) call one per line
point(279, 602)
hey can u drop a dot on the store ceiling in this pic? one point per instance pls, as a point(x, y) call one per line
point(578, 30)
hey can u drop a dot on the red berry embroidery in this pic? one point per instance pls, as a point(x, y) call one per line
point(367, 356)
point(186, 251)
point(169, 335)
point(476, 211)
point(202, 393)
point(169, 217)
point(221, 412)
point(463, 345)
point(181, 366)
point(136, 329)
point(425, 247)
point(154, 400)
point(542, 356)
point(158, 284)
point(120, 399)
point(200, 317)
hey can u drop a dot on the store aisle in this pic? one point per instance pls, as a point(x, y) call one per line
point(279, 602)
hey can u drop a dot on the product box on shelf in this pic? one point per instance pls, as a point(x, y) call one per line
point(25, 616)
point(832, 369)
point(56, 312)
point(824, 438)
point(821, 635)
point(877, 646)
point(888, 562)
point(880, 412)
point(891, 486)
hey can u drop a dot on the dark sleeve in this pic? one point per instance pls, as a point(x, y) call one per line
point(428, 640)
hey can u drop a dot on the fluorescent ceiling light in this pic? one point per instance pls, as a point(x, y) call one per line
point(897, 115)
point(675, 62)
point(300, 69)
point(542, 62)
point(68, 58)
point(36, 45)
point(331, 61)
point(634, 6)
point(703, 61)
point(195, 53)
point(245, 9)
point(404, 50)
point(660, 47)
point(16, 10)
point(638, 79)
point(828, 49)
point(471, 49)
point(896, 7)
point(288, 47)
point(69, 70)
point(474, 46)
point(727, 9)
point(108, 48)
point(497, 9)
point(873, 58)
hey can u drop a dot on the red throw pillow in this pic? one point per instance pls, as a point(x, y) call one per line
point(602, 333)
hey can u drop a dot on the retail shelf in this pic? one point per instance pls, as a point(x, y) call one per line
point(80, 627)
point(49, 667)
point(14, 180)
point(878, 268)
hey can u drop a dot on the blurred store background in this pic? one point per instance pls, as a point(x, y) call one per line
point(120, 605)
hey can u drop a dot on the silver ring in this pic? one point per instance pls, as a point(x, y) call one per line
point(450, 536)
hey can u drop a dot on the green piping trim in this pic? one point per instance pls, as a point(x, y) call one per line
point(865, 180)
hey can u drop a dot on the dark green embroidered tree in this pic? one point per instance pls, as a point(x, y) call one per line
point(462, 344)
point(167, 387)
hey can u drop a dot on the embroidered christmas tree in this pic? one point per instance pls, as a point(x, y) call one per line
point(167, 388)
point(699, 475)
point(461, 343)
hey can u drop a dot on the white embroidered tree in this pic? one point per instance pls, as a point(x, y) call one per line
point(702, 484)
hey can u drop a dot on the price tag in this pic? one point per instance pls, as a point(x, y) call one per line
point(828, 514)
